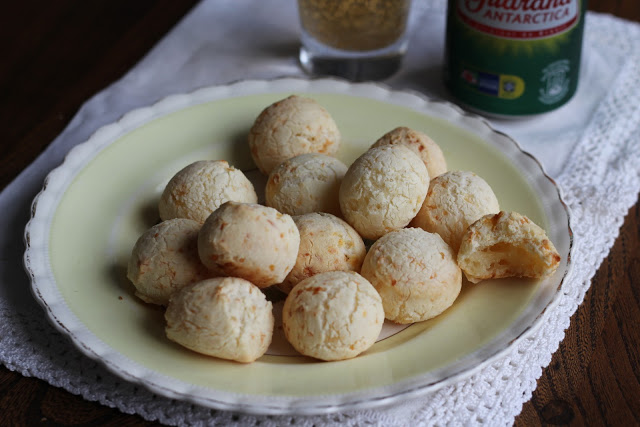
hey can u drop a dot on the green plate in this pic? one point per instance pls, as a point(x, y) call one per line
point(94, 207)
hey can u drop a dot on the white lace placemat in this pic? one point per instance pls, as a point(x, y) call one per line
point(591, 146)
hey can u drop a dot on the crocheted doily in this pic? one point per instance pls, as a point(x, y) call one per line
point(600, 182)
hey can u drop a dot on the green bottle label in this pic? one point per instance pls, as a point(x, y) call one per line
point(514, 57)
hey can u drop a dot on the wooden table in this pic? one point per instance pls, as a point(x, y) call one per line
point(55, 55)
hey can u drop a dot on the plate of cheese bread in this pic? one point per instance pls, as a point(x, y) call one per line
point(297, 246)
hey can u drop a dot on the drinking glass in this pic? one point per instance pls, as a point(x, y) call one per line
point(355, 39)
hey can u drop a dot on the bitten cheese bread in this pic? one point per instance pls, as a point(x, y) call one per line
point(506, 244)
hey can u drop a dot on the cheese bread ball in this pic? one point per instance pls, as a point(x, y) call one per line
point(225, 317)
point(333, 316)
point(289, 127)
point(455, 200)
point(415, 273)
point(251, 241)
point(201, 187)
point(430, 152)
point(165, 259)
point(327, 243)
point(507, 244)
point(306, 183)
point(383, 190)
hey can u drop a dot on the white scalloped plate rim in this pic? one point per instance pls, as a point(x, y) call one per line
point(45, 291)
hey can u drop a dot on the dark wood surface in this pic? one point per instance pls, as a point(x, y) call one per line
point(55, 55)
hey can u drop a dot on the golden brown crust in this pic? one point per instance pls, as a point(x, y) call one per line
point(327, 243)
point(420, 143)
point(226, 317)
point(290, 127)
point(333, 316)
point(383, 190)
point(306, 183)
point(415, 273)
point(455, 200)
point(201, 187)
point(251, 241)
point(165, 259)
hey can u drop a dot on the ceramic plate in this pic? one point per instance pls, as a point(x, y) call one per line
point(94, 207)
